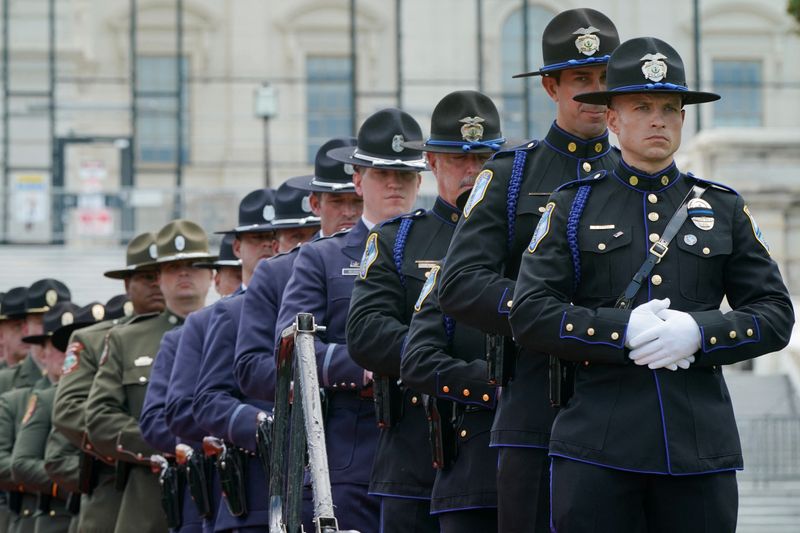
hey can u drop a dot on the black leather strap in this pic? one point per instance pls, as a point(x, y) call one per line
point(659, 248)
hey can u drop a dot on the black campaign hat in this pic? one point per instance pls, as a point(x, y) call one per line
point(226, 255)
point(381, 141)
point(141, 251)
point(44, 294)
point(463, 121)
point(61, 314)
point(13, 304)
point(576, 38)
point(646, 65)
point(83, 317)
point(330, 175)
point(256, 211)
point(293, 208)
point(118, 306)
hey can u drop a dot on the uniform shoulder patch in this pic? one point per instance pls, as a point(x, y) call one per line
point(30, 409)
point(478, 191)
point(370, 255)
point(72, 357)
point(430, 283)
point(756, 229)
point(542, 228)
point(597, 177)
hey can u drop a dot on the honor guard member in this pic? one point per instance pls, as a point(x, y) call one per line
point(28, 460)
point(218, 405)
point(507, 201)
point(117, 394)
point(650, 428)
point(100, 500)
point(465, 131)
point(387, 176)
point(42, 295)
point(153, 421)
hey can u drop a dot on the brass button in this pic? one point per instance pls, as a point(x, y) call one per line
point(486, 397)
point(26, 512)
point(664, 180)
point(656, 279)
point(633, 180)
point(139, 456)
point(598, 147)
point(52, 513)
point(654, 237)
point(587, 167)
point(542, 209)
point(652, 217)
point(572, 147)
point(706, 250)
point(568, 327)
point(712, 340)
point(590, 332)
point(445, 389)
point(749, 332)
point(652, 198)
point(454, 217)
point(88, 445)
point(586, 363)
point(466, 393)
point(732, 334)
point(463, 433)
point(601, 246)
point(414, 400)
point(614, 336)
point(509, 303)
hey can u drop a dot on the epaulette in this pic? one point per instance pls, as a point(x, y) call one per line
point(714, 184)
point(336, 234)
point(528, 147)
point(412, 215)
point(589, 180)
point(287, 252)
point(143, 317)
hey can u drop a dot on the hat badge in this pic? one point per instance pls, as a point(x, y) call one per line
point(472, 129)
point(268, 213)
point(51, 297)
point(98, 311)
point(305, 204)
point(153, 251)
point(348, 169)
point(67, 319)
point(127, 308)
point(397, 143)
point(180, 243)
point(654, 68)
point(587, 43)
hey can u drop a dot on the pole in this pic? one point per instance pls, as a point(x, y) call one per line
point(398, 8)
point(6, 178)
point(526, 96)
point(697, 61)
point(56, 178)
point(479, 43)
point(353, 64)
point(178, 207)
point(267, 160)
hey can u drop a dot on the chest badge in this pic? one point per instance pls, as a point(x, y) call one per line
point(370, 255)
point(144, 360)
point(690, 239)
point(701, 213)
point(430, 283)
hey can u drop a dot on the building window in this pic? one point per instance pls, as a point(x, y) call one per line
point(157, 104)
point(740, 84)
point(329, 100)
point(542, 108)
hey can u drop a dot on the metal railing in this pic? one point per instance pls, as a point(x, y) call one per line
point(771, 448)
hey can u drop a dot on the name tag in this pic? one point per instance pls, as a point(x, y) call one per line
point(426, 264)
point(352, 271)
point(605, 226)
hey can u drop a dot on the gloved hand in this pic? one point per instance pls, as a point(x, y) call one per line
point(669, 344)
point(644, 317)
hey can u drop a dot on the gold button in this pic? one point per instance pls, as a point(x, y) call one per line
point(652, 198)
point(614, 336)
point(572, 147)
point(598, 147)
point(713, 340)
point(732, 334)
point(664, 180)
point(445, 389)
point(706, 250)
point(463, 433)
point(587, 167)
point(654, 237)
point(749, 332)
point(414, 400)
point(590, 331)
point(601, 246)
point(652, 217)
point(586, 363)
point(52, 513)
point(486, 397)
point(510, 304)
point(454, 217)
point(26, 512)
point(568, 327)
point(139, 456)
point(466, 393)
point(633, 180)
point(656, 280)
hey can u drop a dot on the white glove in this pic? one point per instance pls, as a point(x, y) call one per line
point(668, 344)
point(644, 317)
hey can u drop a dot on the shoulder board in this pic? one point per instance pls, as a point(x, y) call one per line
point(142, 318)
point(714, 184)
point(528, 146)
point(287, 252)
point(337, 234)
point(589, 180)
point(413, 214)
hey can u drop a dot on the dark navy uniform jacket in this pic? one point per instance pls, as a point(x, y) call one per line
point(622, 415)
point(446, 360)
point(254, 364)
point(482, 262)
point(321, 284)
point(383, 301)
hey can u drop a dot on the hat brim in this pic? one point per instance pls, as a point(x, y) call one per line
point(195, 257)
point(219, 264)
point(60, 337)
point(475, 149)
point(35, 339)
point(253, 228)
point(344, 154)
point(315, 184)
point(688, 97)
point(565, 65)
point(293, 223)
point(125, 273)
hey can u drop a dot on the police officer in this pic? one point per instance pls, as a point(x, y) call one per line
point(650, 429)
point(101, 500)
point(386, 175)
point(227, 268)
point(483, 259)
point(117, 394)
point(42, 295)
point(465, 131)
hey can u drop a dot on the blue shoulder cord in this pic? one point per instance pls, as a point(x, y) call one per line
point(514, 185)
point(449, 328)
point(400, 247)
point(575, 212)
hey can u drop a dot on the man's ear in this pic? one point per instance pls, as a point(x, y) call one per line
point(550, 85)
point(237, 247)
point(611, 120)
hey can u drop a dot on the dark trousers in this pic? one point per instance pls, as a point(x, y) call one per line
point(523, 490)
point(354, 508)
point(469, 521)
point(588, 498)
point(401, 515)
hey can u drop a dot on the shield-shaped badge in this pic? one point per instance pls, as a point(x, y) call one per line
point(587, 43)
point(701, 213)
point(397, 143)
point(472, 130)
point(654, 69)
